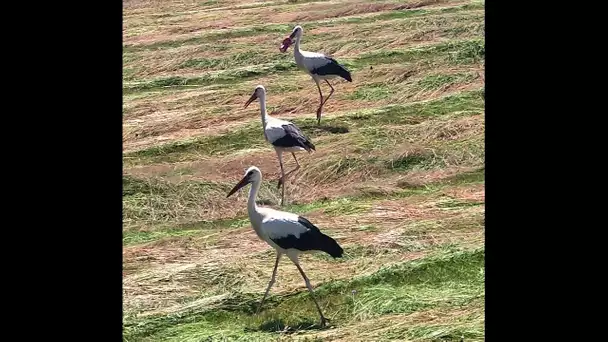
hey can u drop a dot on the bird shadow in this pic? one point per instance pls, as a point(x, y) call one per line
point(278, 325)
point(330, 129)
point(265, 202)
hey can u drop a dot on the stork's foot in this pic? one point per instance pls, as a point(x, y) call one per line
point(319, 115)
point(324, 322)
point(257, 312)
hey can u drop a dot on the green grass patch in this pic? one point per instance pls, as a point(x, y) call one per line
point(372, 92)
point(280, 62)
point(411, 161)
point(467, 151)
point(251, 136)
point(438, 81)
point(468, 52)
point(458, 53)
point(335, 167)
point(212, 78)
point(471, 177)
point(457, 50)
point(335, 207)
point(284, 29)
point(139, 237)
point(453, 203)
point(174, 206)
point(153, 196)
point(216, 36)
point(460, 329)
point(208, 3)
point(450, 279)
point(134, 237)
point(414, 113)
point(157, 200)
point(472, 6)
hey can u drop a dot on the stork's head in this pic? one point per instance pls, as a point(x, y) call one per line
point(259, 92)
point(252, 174)
point(295, 34)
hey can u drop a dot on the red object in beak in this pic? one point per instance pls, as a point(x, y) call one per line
point(285, 45)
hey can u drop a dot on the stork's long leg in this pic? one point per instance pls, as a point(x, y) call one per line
point(280, 155)
point(320, 93)
point(323, 319)
point(331, 92)
point(320, 102)
point(323, 102)
point(274, 274)
point(284, 178)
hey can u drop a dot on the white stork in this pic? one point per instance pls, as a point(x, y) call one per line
point(283, 135)
point(319, 66)
point(287, 233)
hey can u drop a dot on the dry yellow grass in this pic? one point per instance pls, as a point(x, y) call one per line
point(397, 177)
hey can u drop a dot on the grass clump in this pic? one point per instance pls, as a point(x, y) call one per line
point(451, 279)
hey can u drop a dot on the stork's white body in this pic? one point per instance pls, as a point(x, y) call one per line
point(274, 130)
point(283, 135)
point(287, 233)
point(319, 66)
point(271, 224)
point(309, 61)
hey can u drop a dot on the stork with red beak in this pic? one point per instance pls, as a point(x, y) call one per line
point(319, 66)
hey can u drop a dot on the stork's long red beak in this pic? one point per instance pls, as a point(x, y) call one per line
point(285, 44)
point(240, 184)
point(253, 97)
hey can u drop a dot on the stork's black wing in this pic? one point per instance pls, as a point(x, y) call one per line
point(294, 137)
point(312, 239)
point(332, 68)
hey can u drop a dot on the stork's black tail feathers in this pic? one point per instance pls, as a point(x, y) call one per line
point(341, 71)
point(309, 145)
point(333, 68)
point(320, 241)
point(294, 137)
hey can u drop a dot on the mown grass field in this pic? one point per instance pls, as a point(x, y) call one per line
point(397, 179)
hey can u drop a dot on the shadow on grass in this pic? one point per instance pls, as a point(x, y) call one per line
point(278, 325)
point(330, 129)
point(263, 201)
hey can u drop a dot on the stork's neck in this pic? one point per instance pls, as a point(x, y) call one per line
point(296, 47)
point(263, 110)
point(252, 208)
